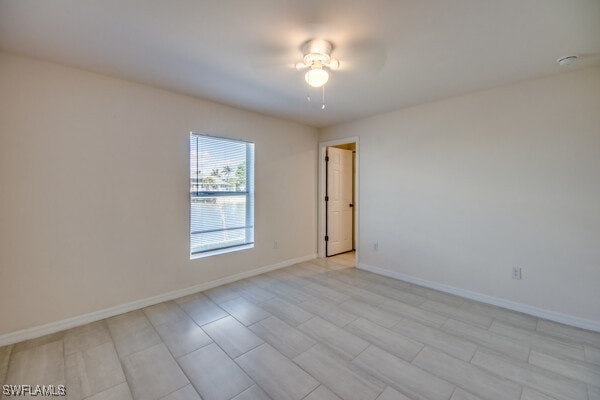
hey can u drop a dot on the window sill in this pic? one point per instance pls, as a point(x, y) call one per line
point(221, 251)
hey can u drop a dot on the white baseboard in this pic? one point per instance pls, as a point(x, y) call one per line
point(496, 301)
point(38, 331)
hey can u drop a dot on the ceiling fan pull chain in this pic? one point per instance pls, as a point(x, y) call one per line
point(323, 99)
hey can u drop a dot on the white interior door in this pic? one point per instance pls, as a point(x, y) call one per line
point(339, 202)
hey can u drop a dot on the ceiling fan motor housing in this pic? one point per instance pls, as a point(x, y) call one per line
point(317, 53)
point(317, 46)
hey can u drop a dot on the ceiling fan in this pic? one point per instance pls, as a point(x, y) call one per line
point(317, 59)
point(361, 57)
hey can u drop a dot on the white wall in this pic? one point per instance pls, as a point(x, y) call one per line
point(459, 191)
point(94, 191)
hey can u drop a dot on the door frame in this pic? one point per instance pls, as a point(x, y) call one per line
point(321, 229)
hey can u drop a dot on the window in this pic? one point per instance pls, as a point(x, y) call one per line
point(221, 195)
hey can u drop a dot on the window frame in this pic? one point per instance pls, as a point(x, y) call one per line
point(248, 193)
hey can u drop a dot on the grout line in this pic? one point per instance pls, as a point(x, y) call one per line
point(362, 351)
point(416, 355)
point(189, 383)
point(123, 370)
point(454, 391)
point(477, 346)
point(309, 393)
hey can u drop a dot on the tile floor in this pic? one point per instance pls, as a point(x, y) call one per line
point(317, 330)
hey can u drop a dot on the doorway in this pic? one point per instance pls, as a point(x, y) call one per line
point(338, 199)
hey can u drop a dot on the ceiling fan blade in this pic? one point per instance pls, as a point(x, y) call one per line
point(364, 55)
point(268, 55)
point(274, 65)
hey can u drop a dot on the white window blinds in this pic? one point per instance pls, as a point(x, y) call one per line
point(221, 194)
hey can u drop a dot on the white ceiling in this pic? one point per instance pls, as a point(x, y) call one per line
point(393, 53)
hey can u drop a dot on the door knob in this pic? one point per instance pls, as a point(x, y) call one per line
point(350, 205)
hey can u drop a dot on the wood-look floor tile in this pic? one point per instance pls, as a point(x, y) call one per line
point(276, 374)
point(547, 382)
point(391, 282)
point(185, 393)
point(306, 269)
point(488, 339)
point(161, 313)
point(571, 368)
point(43, 364)
point(263, 281)
point(322, 393)
point(201, 308)
point(5, 352)
point(374, 314)
point(301, 270)
point(530, 394)
point(288, 340)
point(29, 344)
point(336, 263)
point(317, 268)
point(460, 394)
point(467, 376)
point(221, 294)
point(324, 293)
point(592, 354)
point(254, 292)
point(396, 294)
point(132, 332)
point(233, 337)
point(252, 393)
point(336, 375)
point(457, 313)
point(86, 337)
point(290, 293)
point(435, 295)
point(594, 392)
point(514, 318)
point(244, 311)
point(352, 292)
point(286, 311)
point(153, 373)
point(289, 279)
point(328, 311)
point(415, 313)
point(92, 371)
point(183, 337)
point(450, 344)
point(336, 338)
point(386, 339)
point(364, 295)
point(392, 394)
point(403, 376)
point(350, 279)
point(539, 342)
point(214, 375)
point(568, 333)
point(119, 392)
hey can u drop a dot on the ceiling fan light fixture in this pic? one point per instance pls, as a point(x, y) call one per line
point(316, 77)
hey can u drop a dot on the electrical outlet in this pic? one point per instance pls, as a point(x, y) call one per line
point(275, 245)
point(376, 246)
point(516, 273)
